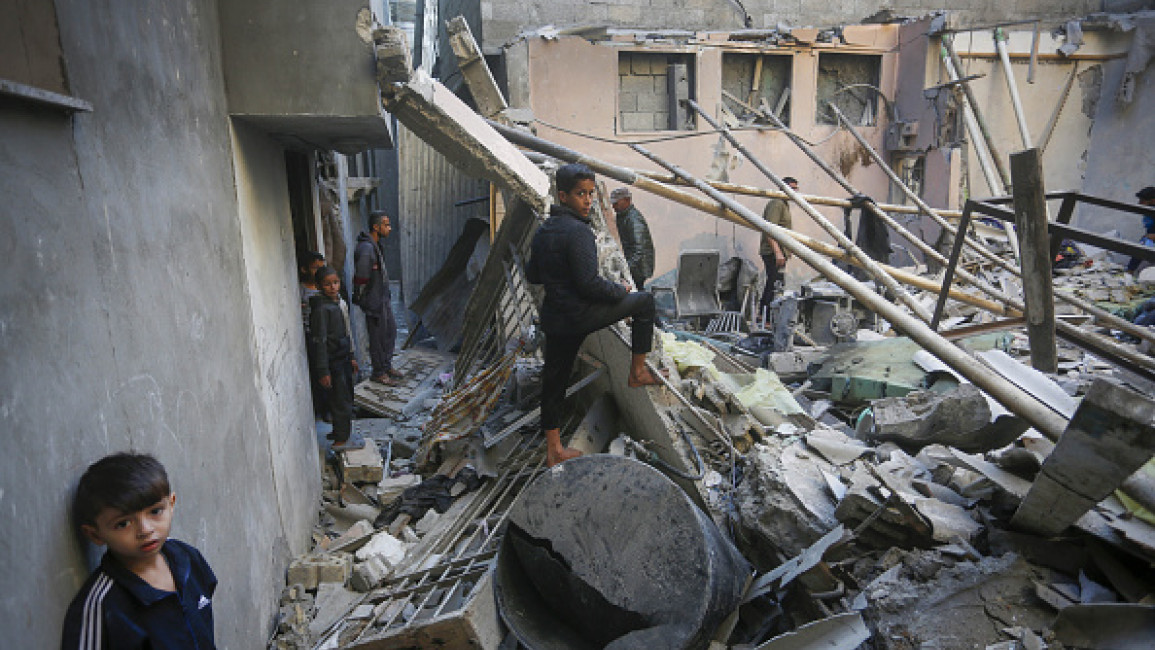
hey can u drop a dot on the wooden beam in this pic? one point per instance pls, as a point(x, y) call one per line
point(1038, 288)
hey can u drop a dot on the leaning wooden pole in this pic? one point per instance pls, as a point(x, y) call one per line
point(1066, 329)
point(1008, 394)
point(864, 260)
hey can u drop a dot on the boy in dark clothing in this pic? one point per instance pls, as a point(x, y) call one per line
point(578, 301)
point(149, 591)
point(332, 343)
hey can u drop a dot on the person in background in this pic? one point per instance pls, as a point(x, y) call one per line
point(774, 258)
point(1146, 197)
point(332, 341)
point(634, 233)
point(372, 294)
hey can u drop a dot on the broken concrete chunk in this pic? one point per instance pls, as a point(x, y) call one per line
point(388, 489)
point(369, 575)
point(353, 538)
point(314, 569)
point(785, 500)
point(384, 546)
point(948, 522)
point(427, 522)
point(394, 62)
point(959, 418)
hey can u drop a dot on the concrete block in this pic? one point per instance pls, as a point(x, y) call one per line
point(624, 61)
point(426, 523)
point(314, 569)
point(363, 465)
point(637, 121)
point(639, 63)
point(628, 102)
point(651, 103)
point(661, 121)
point(637, 84)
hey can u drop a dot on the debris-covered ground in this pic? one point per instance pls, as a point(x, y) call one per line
point(871, 490)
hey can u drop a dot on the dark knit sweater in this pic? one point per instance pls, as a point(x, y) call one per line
point(564, 258)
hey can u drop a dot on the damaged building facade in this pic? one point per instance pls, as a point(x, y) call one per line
point(181, 158)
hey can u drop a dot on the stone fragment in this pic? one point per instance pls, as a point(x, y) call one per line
point(394, 62)
point(427, 522)
point(314, 569)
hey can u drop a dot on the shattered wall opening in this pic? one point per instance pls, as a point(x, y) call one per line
point(650, 86)
point(850, 82)
point(759, 80)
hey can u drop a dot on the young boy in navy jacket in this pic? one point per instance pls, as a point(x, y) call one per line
point(149, 591)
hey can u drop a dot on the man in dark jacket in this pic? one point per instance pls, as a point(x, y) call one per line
point(777, 212)
point(372, 294)
point(578, 301)
point(637, 244)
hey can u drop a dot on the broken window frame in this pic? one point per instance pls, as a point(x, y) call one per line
point(779, 102)
point(855, 99)
point(678, 117)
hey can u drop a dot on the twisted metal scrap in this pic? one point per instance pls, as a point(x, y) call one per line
point(462, 410)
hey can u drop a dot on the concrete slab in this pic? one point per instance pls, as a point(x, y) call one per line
point(1111, 436)
point(363, 465)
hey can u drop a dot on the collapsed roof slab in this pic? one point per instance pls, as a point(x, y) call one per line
point(433, 112)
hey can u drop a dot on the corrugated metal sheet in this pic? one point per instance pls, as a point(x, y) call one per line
point(428, 187)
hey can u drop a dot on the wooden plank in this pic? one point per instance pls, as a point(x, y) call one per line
point(1035, 247)
point(1111, 436)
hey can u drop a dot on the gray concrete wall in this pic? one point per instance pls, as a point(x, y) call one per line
point(143, 308)
point(504, 19)
point(1118, 162)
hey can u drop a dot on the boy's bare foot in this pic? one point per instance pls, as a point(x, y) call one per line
point(645, 377)
point(556, 456)
point(383, 379)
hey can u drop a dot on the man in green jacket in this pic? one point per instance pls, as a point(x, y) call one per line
point(637, 244)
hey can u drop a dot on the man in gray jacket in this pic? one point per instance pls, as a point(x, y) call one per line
point(372, 294)
point(635, 235)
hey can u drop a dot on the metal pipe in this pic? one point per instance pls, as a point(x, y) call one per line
point(954, 69)
point(976, 135)
point(1008, 394)
point(1001, 45)
point(870, 265)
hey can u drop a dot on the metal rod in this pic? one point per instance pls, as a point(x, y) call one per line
point(870, 265)
point(948, 277)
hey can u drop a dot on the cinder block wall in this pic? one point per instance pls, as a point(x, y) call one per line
point(504, 19)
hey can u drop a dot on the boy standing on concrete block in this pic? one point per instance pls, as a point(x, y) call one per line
point(149, 591)
point(578, 301)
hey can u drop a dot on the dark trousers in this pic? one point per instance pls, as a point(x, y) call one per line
point(773, 279)
point(382, 341)
point(639, 278)
point(561, 348)
point(340, 398)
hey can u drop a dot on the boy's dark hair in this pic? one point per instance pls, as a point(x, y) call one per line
point(569, 175)
point(125, 481)
point(324, 272)
point(790, 180)
point(376, 216)
point(308, 257)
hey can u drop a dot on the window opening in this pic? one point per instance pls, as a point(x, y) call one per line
point(850, 82)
